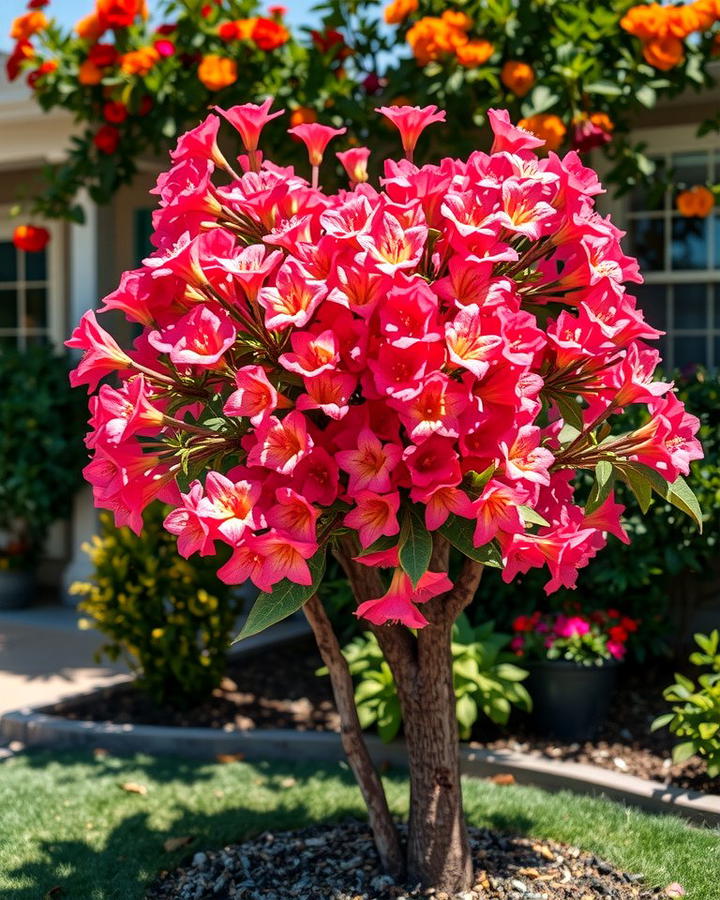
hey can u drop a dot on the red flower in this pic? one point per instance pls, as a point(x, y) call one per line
point(23, 50)
point(115, 112)
point(630, 625)
point(37, 4)
point(227, 31)
point(145, 105)
point(618, 634)
point(44, 69)
point(167, 29)
point(118, 13)
point(269, 34)
point(106, 139)
point(102, 55)
point(524, 623)
point(326, 40)
point(30, 238)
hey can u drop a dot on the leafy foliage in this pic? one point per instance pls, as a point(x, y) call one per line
point(486, 679)
point(41, 451)
point(696, 707)
point(169, 619)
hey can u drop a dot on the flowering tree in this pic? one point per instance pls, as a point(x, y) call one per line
point(408, 377)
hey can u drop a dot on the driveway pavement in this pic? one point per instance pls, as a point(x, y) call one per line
point(45, 657)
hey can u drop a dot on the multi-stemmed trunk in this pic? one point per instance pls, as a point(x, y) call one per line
point(438, 852)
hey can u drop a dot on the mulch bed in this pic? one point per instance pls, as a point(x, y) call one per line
point(279, 689)
point(339, 862)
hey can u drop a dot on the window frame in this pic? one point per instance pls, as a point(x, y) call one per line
point(54, 281)
point(666, 142)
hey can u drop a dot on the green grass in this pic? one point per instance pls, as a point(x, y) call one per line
point(65, 821)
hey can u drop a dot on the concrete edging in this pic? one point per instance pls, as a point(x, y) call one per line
point(35, 727)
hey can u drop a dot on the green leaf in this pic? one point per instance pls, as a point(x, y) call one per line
point(684, 751)
point(285, 599)
point(415, 547)
point(382, 543)
point(638, 484)
point(678, 493)
point(662, 721)
point(529, 516)
point(459, 532)
point(603, 484)
point(604, 88)
point(570, 411)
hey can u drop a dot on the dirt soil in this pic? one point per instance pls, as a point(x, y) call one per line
point(279, 689)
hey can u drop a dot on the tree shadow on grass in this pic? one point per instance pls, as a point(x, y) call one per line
point(122, 863)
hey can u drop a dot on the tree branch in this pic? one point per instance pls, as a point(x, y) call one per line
point(371, 787)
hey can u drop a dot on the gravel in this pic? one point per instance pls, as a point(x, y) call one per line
point(339, 862)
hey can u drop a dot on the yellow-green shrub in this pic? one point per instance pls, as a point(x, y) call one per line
point(169, 618)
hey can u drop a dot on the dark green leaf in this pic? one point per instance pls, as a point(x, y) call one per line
point(459, 532)
point(602, 486)
point(415, 546)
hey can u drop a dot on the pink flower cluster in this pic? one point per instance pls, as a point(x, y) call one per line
point(580, 638)
point(313, 362)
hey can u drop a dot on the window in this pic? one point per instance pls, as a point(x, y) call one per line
point(680, 260)
point(28, 300)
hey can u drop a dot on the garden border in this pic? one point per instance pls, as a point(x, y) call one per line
point(37, 727)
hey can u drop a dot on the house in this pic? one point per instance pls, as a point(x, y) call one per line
point(42, 296)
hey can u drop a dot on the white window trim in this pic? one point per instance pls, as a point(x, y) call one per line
point(665, 141)
point(56, 324)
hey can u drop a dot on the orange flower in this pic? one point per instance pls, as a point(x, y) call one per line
point(431, 37)
point(30, 238)
point(664, 53)
point(27, 25)
point(474, 53)
point(646, 22)
point(397, 11)
point(237, 30)
point(603, 120)
point(303, 115)
point(89, 73)
point(89, 28)
point(217, 72)
point(140, 61)
point(548, 127)
point(518, 77)
point(269, 34)
point(456, 19)
point(697, 202)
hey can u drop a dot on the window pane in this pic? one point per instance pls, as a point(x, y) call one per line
point(716, 317)
point(36, 340)
point(36, 308)
point(690, 169)
point(647, 237)
point(716, 349)
point(8, 309)
point(716, 232)
point(690, 352)
point(651, 300)
point(689, 244)
point(8, 261)
point(649, 197)
point(690, 306)
point(36, 266)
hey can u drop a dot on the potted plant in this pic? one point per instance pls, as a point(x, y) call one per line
point(573, 661)
point(41, 459)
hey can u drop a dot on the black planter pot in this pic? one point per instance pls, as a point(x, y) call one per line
point(570, 701)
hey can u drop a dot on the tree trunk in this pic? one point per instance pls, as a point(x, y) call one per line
point(381, 823)
point(438, 848)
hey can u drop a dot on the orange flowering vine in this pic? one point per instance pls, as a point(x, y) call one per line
point(518, 77)
point(548, 127)
point(217, 72)
point(397, 11)
point(696, 202)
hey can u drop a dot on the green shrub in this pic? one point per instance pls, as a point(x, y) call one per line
point(169, 618)
point(696, 707)
point(647, 578)
point(486, 680)
point(41, 449)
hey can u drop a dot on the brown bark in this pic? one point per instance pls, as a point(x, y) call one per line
point(383, 828)
point(438, 850)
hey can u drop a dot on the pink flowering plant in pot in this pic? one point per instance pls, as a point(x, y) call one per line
point(406, 375)
point(587, 640)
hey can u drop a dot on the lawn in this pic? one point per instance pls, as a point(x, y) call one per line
point(67, 822)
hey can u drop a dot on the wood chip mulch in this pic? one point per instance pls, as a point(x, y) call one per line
point(339, 862)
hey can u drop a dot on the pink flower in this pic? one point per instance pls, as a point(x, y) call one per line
point(281, 444)
point(316, 137)
point(374, 516)
point(255, 398)
point(398, 604)
point(371, 465)
point(200, 338)
point(101, 353)
point(354, 161)
point(571, 626)
point(249, 120)
point(411, 121)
